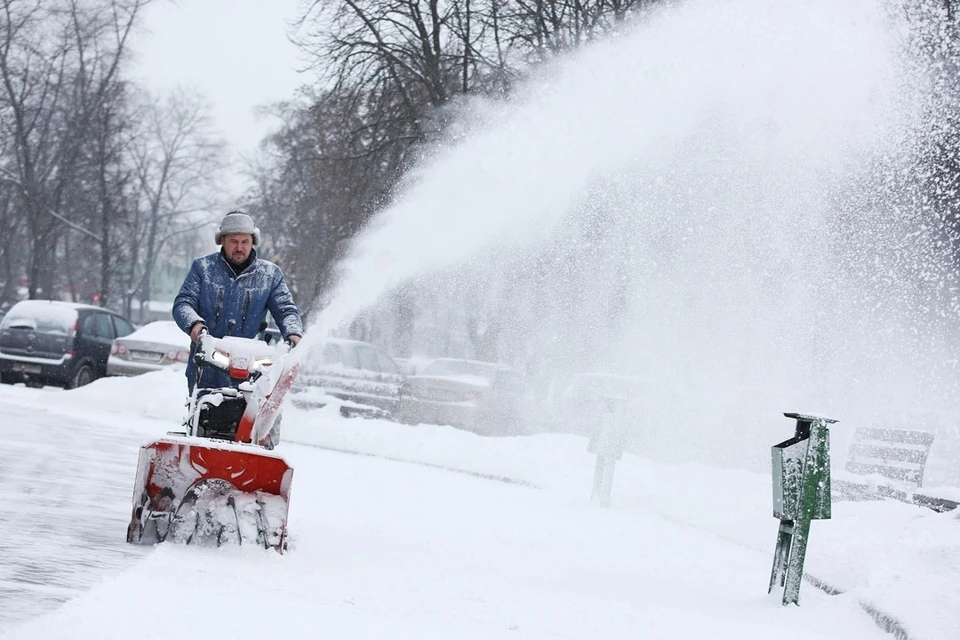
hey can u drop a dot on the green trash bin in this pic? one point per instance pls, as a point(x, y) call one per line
point(801, 493)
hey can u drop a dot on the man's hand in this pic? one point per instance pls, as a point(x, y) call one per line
point(294, 340)
point(195, 331)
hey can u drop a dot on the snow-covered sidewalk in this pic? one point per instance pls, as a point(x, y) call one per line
point(384, 548)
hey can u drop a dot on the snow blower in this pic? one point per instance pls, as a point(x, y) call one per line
point(219, 482)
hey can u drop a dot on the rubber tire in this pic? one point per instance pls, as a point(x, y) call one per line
point(84, 375)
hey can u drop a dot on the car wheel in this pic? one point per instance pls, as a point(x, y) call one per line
point(83, 376)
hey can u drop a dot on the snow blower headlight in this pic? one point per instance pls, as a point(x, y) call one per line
point(221, 357)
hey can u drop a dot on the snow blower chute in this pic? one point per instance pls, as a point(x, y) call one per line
point(219, 482)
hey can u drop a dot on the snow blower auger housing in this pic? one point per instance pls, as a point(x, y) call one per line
point(219, 482)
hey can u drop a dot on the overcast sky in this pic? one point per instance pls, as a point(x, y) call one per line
point(235, 51)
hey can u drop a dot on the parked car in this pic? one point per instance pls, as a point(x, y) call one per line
point(484, 397)
point(154, 346)
point(361, 375)
point(60, 343)
point(413, 365)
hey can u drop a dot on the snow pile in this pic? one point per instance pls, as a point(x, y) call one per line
point(161, 395)
point(898, 558)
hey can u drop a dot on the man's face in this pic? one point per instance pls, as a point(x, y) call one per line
point(237, 246)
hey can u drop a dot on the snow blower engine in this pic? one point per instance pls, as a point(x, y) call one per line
point(219, 482)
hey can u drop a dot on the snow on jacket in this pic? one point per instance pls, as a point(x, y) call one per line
point(215, 295)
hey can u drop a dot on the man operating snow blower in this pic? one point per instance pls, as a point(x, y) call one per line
point(216, 482)
point(228, 293)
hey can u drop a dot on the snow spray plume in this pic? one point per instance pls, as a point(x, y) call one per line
point(719, 201)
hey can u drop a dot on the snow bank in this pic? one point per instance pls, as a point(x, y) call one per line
point(898, 558)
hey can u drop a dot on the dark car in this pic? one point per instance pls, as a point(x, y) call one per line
point(358, 374)
point(60, 343)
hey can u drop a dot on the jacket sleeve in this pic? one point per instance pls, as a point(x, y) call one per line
point(284, 310)
point(187, 303)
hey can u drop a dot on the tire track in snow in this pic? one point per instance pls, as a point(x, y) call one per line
point(64, 505)
point(475, 474)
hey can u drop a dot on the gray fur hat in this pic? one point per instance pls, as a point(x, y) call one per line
point(237, 222)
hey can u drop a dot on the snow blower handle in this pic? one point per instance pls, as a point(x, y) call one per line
point(202, 337)
point(204, 354)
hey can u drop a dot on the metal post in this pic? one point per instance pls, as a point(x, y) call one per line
point(609, 443)
point(801, 493)
point(603, 480)
point(597, 482)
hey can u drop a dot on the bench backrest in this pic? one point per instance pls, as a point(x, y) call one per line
point(898, 454)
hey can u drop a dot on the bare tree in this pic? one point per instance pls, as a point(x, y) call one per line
point(543, 28)
point(316, 183)
point(58, 62)
point(391, 69)
point(96, 202)
point(12, 232)
point(176, 159)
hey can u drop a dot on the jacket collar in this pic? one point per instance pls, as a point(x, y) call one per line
point(251, 261)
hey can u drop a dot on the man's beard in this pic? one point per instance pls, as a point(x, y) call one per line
point(238, 258)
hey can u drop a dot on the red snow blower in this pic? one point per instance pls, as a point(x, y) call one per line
point(219, 482)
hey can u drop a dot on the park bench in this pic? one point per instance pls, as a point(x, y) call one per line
point(888, 463)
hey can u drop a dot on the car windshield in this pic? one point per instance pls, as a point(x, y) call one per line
point(460, 368)
point(41, 316)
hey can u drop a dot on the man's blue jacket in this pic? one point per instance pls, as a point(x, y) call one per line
point(231, 304)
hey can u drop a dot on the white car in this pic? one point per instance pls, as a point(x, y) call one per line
point(484, 397)
point(154, 346)
point(359, 374)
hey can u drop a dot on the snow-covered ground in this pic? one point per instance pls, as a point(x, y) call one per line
point(434, 532)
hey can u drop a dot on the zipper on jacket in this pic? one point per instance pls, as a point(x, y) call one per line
point(246, 310)
point(219, 307)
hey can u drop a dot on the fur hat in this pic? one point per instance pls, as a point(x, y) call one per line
point(237, 222)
